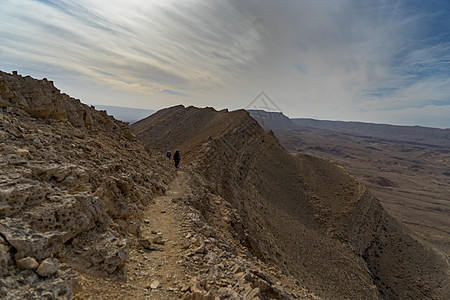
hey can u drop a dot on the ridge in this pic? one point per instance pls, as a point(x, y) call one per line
point(299, 213)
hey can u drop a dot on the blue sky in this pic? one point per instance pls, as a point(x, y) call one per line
point(361, 60)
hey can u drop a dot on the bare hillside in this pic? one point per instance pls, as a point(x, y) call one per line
point(73, 183)
point(86, 212)
point(407, 168)
point(308, 217)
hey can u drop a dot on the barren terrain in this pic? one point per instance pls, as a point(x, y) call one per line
point(304, 215)
point(88, 210)
point(407, 168)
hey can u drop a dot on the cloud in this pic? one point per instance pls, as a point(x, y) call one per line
point(166, 44)
point(330, 60)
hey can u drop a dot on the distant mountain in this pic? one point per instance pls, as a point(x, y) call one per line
point(126, 114)
point(272, 120)
point(417, 133)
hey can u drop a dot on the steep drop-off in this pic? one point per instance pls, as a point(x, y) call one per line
point(405, 167)
point(304, 215)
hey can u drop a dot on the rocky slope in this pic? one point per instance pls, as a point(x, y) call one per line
point(87, 212)
point(405, 167)
point(73, 182)
point(310, 218)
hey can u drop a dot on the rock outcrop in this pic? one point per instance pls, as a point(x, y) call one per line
point(73, 182)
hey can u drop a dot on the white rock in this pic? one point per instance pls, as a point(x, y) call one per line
point(154, 285)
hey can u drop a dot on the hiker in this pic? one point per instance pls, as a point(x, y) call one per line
point(176, 158)
point(168, 154)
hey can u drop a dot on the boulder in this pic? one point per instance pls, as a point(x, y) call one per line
point(48, 267)
point(27, 263)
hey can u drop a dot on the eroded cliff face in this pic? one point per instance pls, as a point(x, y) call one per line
point(306, 216)
point(72, 184)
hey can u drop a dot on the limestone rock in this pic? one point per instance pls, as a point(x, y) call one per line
point(27, 241)
point(33, 287)
point(48, 267)
point(28, 263)
point(154, 285)
point(104, 251)
point(146, 244)
point(18, 191)
point(46, 227)
point(5, 257)
point(158, 239)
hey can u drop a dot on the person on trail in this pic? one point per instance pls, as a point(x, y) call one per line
point(176, 158)
point(168, 154)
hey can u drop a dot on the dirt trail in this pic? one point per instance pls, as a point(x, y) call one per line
point(150, 274)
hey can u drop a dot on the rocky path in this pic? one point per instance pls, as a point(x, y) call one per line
point(154, 269)
point(178, 256)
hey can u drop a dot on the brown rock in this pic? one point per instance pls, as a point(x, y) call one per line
point(27, 263)
point(145, 243)
point(201, 249)
point(5, 257)
point(252, 294)
point(158, 239)
point(48, 267)
point(22, 152)
point(186, 243)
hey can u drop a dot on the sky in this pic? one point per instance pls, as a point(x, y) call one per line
point(379, 61)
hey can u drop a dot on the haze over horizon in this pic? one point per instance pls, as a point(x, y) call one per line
point(349, 60)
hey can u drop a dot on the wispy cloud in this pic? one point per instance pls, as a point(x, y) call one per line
point(143, 42)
